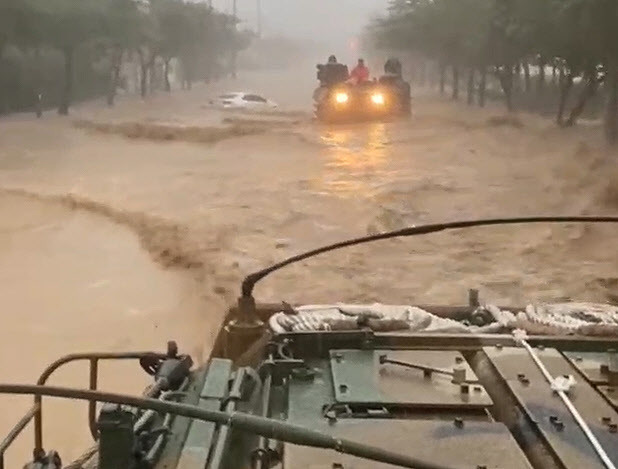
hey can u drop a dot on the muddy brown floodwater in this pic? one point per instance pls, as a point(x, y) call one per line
point(123, 228)
point(75, 281)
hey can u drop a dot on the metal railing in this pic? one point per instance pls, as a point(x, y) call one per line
point(16, 430)
point(35, 412)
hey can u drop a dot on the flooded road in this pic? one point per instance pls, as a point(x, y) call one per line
point(114, 238)
point(72, 281)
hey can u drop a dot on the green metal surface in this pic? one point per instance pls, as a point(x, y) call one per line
point(358, 377)
point(548, 412)
point(415, 396)
point(180, 426)
point(610, 393)
point(595, 367)
point(475, 443)
point(196, 449)
point(117, 441)
point(306, 399)
point(589, 364)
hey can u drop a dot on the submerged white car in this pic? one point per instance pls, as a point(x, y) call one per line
point(244, 100)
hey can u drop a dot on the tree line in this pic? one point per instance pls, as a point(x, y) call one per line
point(513, 42)
point(59, 50)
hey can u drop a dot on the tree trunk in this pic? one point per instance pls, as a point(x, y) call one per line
point(470, 86)
point(541, 79)
point(188, 72)
point(38, 108)
point(505, 75)
point(166, 74)
point(4, 104)
point(67, 90)
point(566, 83)
point(143, 80)
point(146, 63)
point(234, 60)
point(422, 79)
point(143, 75)
point(588, 92)
point(455, 94)
point(151, 75)
point(482, 86)
point(611, 110)
point(517, 75)
point(4, 101)
point(554, 74)
point(527, 77)
point(442, 72)
point(431, 75)
point(114, 75)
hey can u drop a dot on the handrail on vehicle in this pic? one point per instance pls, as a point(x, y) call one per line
point(35, 412)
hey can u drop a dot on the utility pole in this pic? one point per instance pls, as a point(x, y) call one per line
point(259, 18)
point(234, 13)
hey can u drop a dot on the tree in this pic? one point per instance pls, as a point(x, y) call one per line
point(175, 31)
point(146, 45)
point(604, 15)
point(9, 19)
point(119, 37)
point(66, 25)
point(9, 15)
point(85, 34)
point(578, 38)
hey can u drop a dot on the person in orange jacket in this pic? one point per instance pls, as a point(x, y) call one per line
point(360, 73)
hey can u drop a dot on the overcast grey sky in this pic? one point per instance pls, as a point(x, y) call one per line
point(326, 20)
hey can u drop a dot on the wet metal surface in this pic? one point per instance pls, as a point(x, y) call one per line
point(359, 377)
point(548, 412)
point(459, 442)
point(590, 364)
point(595, 367)
point(475, 444)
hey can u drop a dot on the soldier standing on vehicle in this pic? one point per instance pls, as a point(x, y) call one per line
point(392, 67)
point(333, 72)
point(330, 74)
point(360, 73)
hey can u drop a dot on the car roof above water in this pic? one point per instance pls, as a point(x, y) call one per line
point(234, 94)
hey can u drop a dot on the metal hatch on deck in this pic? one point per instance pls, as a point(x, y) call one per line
point(405, 378)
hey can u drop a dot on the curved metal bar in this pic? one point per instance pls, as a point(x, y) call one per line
point(250, 281)
point(89, 356)
point(93, 358)
point(14, 433)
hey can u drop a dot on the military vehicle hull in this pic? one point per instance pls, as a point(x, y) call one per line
point(363, 386)
point(370, 101)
